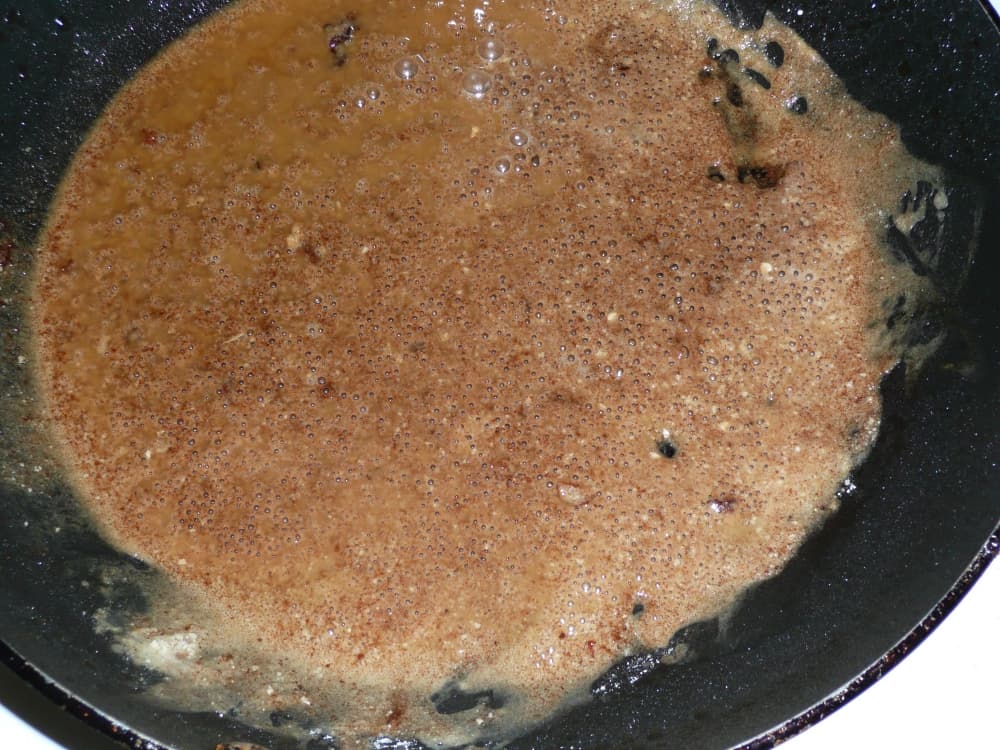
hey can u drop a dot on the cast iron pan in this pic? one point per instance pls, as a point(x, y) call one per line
point(862, 591)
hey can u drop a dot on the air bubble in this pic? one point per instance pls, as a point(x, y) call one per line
point(476, 83)
point(373, 94)
point(490, 49)
point(519, 138)
point(503, 165)
point(406, 68)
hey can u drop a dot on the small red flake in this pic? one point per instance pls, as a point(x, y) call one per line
point(149, 137)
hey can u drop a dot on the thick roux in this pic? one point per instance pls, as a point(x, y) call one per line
point(429, 368)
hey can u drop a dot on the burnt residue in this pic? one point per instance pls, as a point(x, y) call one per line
point(734, 94)
point(738, 109)
point(924, 195)
point(930, 230)
point(914, 234)
point(451, 699)
point(763, 176)
point(724, 57)
point(722, 69)
point(899, 313)
point(757, 77)
point(728, 56)
point(340, 37)
point(797, 105)
point(666, 448)
point(775, 54)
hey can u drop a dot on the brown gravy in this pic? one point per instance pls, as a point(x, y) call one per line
point(461, 345)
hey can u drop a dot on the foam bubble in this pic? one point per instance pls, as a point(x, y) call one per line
point(406, 68)
point(519, 138)
point(476, 83)
point(490, 49)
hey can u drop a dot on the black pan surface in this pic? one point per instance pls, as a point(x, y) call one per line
point(856, 597)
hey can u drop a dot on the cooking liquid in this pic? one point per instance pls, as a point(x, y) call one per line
point(458, 348)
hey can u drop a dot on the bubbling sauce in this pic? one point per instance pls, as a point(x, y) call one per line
point(448, 353)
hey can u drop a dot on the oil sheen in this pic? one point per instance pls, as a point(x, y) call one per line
point(461, 349)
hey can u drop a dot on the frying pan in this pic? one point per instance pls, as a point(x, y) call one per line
point(909, 539)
